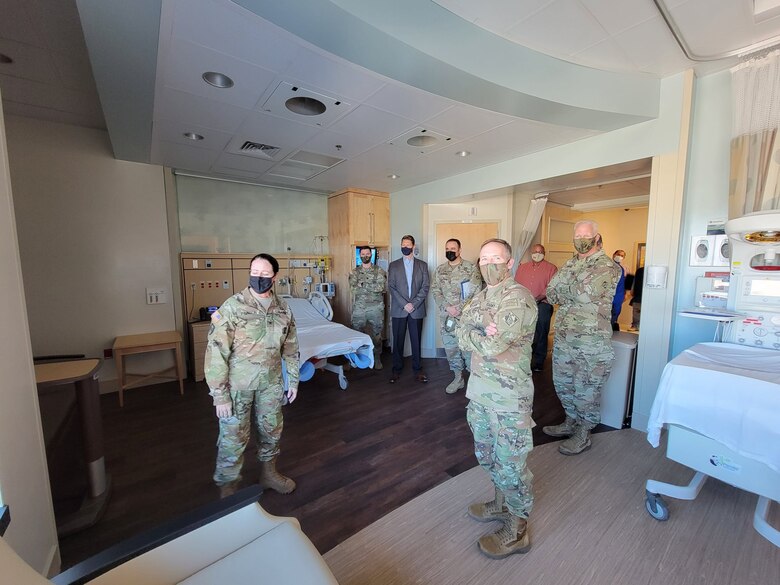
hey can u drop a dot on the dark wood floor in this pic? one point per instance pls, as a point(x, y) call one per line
point(356, 454)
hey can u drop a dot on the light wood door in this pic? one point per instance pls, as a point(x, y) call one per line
point(471, 236)
point(558, 232)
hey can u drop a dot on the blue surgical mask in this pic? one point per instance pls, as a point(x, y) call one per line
point(406, 251)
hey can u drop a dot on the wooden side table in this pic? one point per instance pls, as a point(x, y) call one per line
point(125, 345)
point(82, 373)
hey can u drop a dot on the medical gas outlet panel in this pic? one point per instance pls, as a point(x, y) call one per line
point(758, 329)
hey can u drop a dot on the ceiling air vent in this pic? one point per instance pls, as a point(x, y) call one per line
point(259, 150)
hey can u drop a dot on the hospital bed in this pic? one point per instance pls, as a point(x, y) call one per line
point(721, 402)
point(319, 339)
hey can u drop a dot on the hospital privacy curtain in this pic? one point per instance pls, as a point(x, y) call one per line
point(755, 147)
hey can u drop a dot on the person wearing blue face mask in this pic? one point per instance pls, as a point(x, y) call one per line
point(408, 282)
point(250, 336)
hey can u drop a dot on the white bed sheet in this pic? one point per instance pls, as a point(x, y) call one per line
point(320, 338)
point(727, 392)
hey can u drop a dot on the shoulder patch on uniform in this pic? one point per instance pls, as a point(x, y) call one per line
point(510, 319)
point(216, 316)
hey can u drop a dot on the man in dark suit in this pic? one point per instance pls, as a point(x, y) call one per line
point(408, 283)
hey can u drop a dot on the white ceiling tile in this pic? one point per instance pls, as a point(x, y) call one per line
point(463, 121)
point(179, 106)
point(89, 120)
point(387, 159)
point(648, 42)
point(246, 164)
point(59, 24)
point(732, 22)
point(228, 173)
point(240, 33)
point(501, 15)
point(185, 63)
point(268, 129)
point(275, 103)
point(18, 24)
point(172, 131)
point(607, 55)
point(617, 16)
point(74, 69)
point(325, 143)
point(30, 62)
point(48, 96)
point(561, 28)
point(465, 9)
point(372, 125)
point(408, 102)
point(333, 76)
point(180, 156)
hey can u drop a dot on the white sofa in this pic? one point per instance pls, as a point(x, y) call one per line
point(246, 546)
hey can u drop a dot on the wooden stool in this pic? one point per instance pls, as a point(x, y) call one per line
point(144, 343)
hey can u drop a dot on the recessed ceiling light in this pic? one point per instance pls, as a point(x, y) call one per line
point(393, 176)
point(422, 141)
point(193, 136)
point(305, 106)
point(462, 153)
point(5, 59)
point(217, 79)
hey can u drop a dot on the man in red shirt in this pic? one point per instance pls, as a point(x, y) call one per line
point(535, 276)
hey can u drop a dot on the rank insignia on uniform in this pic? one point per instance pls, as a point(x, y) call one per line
point(510, 319)
point(215, 316)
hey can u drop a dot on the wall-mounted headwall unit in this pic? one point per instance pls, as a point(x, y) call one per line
point(209, 279)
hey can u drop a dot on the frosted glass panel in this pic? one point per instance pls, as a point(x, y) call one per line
point(217, 216)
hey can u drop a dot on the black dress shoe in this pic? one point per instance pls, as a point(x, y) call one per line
point(394, 378)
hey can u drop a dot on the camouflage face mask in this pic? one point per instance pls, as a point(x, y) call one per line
point(494, 273)
point(584, 245)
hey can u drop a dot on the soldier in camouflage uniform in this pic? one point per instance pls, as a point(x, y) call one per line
point(250, 335)
point(368, 283)
point(498, 326)
point(454, 282)
point(582, 351)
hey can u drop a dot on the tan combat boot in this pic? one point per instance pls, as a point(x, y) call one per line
point(565, 429)
point(272, 479)
point(489, 511)
point(377, 361)
point(510, 539)
point(457, 383)
point(577, 443)
point(227, 489)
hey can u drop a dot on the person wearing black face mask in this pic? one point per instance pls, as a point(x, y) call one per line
point(250, 336)
point(583, 288)
point(408, 283)
point(454, 282)
point(367, 283)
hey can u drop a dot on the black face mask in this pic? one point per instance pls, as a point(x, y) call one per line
point(450, 255)
point(406, 251)
point(260, 284)
point(365, 259)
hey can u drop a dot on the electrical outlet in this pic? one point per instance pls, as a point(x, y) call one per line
point(156, 296)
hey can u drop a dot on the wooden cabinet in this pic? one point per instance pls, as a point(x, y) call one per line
point(199, 333)
point(356, 217)
point(369, 216)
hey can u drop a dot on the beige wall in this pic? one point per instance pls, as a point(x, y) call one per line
point(92, 236)
point(24, 480)
point(623, 230)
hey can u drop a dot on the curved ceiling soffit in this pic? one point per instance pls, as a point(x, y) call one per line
point(445, 55)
